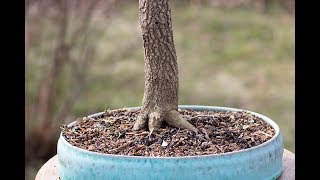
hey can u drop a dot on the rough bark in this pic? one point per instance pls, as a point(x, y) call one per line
point(160, 101)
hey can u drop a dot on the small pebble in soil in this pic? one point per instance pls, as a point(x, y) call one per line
point(219, 132)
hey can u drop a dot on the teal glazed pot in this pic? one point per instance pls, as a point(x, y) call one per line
point(262, 162)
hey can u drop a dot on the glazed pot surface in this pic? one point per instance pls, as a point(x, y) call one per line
point(260, 162)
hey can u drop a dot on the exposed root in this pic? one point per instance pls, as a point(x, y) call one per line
point(141, 122)
point(174, 119)
point(155, 119)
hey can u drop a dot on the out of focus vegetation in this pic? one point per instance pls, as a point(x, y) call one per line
point(84, 57)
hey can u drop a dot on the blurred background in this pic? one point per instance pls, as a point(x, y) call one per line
point(83, 57)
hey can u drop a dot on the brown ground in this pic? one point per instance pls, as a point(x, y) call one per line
point(219, 132)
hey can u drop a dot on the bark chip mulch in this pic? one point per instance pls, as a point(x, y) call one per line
point(219, 132)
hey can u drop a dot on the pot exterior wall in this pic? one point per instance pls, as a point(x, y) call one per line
point(260, 162)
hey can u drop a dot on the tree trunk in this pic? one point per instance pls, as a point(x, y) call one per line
point(160, 101)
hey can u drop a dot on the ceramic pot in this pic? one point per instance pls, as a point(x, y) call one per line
point(260, 162)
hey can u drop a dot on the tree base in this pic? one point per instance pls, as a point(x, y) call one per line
point(155, 119)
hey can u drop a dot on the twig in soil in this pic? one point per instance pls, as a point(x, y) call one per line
point(263, 133)
point(117, 150)
point(151, 130)
point(199, 116)
point(138, 134)
point(205, 133)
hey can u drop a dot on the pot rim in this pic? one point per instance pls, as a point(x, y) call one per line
point(193, 107)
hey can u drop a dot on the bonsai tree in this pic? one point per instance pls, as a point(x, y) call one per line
point(159, 105)
point(160, 100)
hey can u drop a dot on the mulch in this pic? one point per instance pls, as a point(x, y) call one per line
point(219, 132)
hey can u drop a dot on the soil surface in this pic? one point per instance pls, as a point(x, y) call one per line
point(219, 132)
